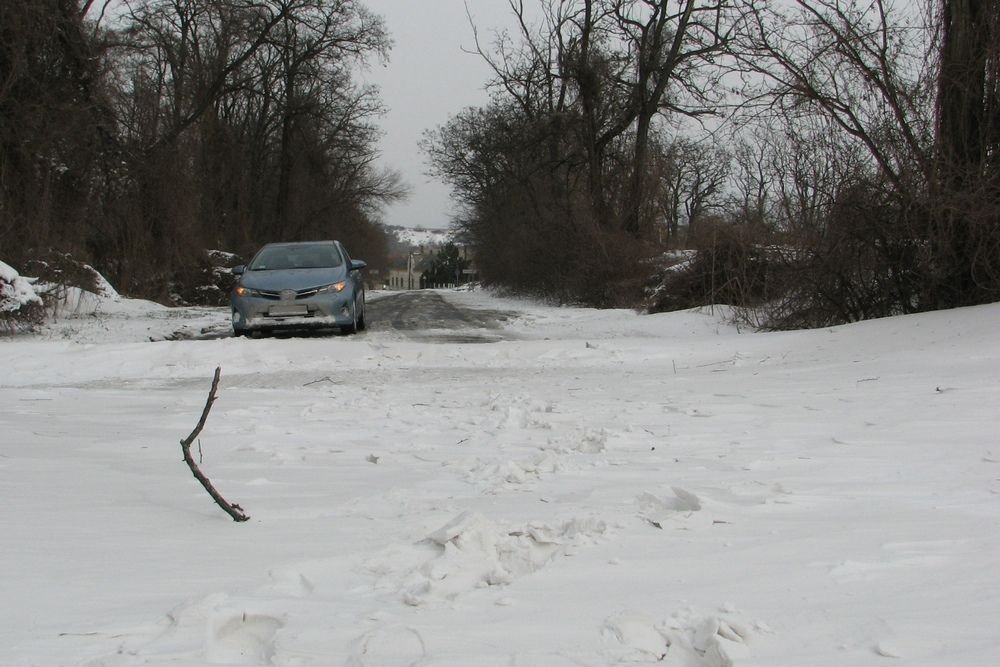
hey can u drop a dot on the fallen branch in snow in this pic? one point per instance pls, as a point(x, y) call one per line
point(232, 509)
point(322, 379)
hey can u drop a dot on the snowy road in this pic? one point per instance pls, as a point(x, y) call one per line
point(594, 488)
point(417, 315)
point(428, 316)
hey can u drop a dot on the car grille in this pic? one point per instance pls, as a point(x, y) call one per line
point(277, 295)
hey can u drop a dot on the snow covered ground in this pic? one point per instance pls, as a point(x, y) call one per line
point(603, 488)
point(421, 237)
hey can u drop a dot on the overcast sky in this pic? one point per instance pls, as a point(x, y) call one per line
point(428, 79)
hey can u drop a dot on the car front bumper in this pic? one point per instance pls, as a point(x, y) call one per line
point(251, 313)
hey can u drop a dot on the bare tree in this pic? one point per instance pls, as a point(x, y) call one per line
point(965, 217)
point(576, 98)
point(613, 66)
point(752, 187)
point(693, 177)
point(240, 122)
point(918, 92)
point(968, 92)
point(53, 133)
point(850, 87)
point(670, 47)
point(862, 68)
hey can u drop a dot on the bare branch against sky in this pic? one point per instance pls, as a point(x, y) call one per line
point(431, 76)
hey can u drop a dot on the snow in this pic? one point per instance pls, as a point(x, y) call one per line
point(15, 291)
point(418, 236)
point(596, 488)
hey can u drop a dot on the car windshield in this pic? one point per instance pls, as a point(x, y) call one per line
point(279, 258)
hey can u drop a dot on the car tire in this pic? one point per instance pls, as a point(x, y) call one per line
point(352, 328)
point(362, 324)
point(237, 331)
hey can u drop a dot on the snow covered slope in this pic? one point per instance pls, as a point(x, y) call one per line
point(420, 237)
point(603, 488)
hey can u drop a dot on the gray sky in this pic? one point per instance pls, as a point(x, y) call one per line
point(428, 79)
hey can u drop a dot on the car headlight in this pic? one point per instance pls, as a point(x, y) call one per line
point(336, 287)
point(245, 291)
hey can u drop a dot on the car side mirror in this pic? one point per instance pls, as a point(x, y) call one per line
point(238, 270)
point(358, 264)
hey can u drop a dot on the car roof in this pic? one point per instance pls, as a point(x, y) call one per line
point(298, 243)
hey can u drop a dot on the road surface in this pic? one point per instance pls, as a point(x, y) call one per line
point(427, 315)
point(416, 315)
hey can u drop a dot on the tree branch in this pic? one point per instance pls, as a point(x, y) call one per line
point(232, 509)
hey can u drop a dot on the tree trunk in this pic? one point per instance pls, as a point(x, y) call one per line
point(967, 93)
point(640, 160)
point(968, 138)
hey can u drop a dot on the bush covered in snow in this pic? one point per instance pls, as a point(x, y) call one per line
point(54, 268)
point(20, 305)
point(206, 281)
point(67, 286)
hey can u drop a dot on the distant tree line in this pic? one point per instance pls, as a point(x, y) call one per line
point(140, 140)
point(829, 160)
point(557, 174)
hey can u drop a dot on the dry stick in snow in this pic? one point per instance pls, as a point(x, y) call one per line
point(232, 509)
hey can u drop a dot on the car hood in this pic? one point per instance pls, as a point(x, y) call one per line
point(296, 279)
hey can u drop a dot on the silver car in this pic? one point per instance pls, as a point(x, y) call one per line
point(305, 285)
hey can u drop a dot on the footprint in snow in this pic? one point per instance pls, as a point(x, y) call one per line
point(290, 583)
point(497, 476)
point(391, 645)
point(244, 639)
point(473, 552)
point(684, 640)
point(684, 509)
point(213, 629)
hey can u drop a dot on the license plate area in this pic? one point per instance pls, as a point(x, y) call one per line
point(288, 311)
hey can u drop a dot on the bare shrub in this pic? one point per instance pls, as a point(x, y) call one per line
point(864, 266)
point(732, 265)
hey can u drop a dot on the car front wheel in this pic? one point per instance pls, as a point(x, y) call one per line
point(362, 324)
point(353, 326)
point(237, 329)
